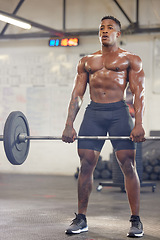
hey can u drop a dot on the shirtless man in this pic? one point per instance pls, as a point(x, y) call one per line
point(108, 72)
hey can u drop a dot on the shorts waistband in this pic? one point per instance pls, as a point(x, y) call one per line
point(107, 106)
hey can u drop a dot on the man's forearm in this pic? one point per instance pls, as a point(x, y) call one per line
point(74, 107)
point(139, 109)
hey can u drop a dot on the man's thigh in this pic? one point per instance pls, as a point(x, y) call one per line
point(122, 125)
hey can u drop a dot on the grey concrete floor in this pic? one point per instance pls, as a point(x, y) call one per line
point(38, 207)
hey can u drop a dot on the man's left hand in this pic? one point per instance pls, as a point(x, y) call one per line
point(138, 134)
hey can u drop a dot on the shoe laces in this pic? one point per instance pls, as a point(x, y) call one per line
point(135, 223)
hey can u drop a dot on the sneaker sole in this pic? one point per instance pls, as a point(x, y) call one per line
point(137, 235)
point(77, 231)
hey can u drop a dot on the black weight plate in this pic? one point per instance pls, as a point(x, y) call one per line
point(16, 151)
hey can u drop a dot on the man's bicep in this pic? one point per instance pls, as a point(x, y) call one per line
point(136, 81)
point(136, 74)
point(81, 80)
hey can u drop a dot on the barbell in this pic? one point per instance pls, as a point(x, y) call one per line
point(16, 138)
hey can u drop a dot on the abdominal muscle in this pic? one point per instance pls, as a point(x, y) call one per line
point(107, 86)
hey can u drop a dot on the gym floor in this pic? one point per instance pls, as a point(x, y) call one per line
point(40, 207)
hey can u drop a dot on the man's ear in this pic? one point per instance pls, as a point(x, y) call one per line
point(118, 34)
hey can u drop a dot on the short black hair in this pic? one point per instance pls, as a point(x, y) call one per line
point(112, 18)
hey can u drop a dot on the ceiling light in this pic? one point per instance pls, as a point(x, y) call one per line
point(14, 22)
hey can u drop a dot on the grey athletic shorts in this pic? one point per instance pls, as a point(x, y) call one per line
point(102, 118)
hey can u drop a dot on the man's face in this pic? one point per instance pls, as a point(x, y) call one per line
point(108, 32)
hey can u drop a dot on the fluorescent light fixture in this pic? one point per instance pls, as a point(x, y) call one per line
point(14, 22)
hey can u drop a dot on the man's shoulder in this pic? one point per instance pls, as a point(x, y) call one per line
point(88, 56)
point(131, 56)
point(134, 60)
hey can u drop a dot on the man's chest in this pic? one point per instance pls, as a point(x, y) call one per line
point(114, 62)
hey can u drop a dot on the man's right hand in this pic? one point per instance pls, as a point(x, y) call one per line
point(69, 134)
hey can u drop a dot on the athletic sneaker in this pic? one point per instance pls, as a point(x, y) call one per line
point(78, 225)
point(136, 229)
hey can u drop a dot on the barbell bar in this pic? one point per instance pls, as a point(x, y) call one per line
point(16, 138)
point(22, 138)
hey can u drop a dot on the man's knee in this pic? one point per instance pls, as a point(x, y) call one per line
point(126, 159)
point(128, 168)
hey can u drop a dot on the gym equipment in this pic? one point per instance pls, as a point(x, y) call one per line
point(16, 138)
point(16, 150)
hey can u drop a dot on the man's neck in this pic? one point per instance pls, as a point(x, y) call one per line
point(108, 49)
